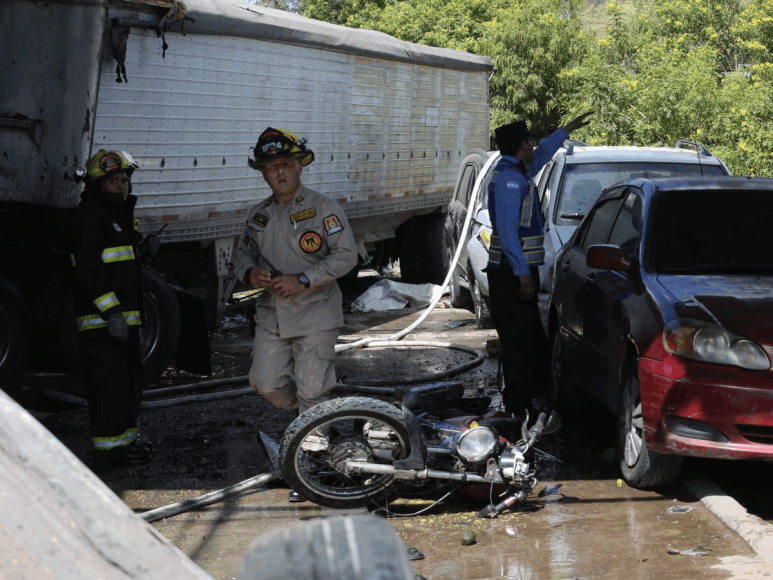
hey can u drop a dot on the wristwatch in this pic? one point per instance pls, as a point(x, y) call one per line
point(304, 280)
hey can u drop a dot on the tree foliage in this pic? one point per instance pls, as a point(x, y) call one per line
point(531, 42)
point(676, 69)
point(684, 69)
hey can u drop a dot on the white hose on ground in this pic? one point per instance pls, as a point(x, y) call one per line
point(365, 342)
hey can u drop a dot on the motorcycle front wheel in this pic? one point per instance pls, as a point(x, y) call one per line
point(317, 445)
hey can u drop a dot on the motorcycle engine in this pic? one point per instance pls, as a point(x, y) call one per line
point(513, 465)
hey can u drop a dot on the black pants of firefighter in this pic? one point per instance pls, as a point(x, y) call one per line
point(114, 386)
point(521, 338)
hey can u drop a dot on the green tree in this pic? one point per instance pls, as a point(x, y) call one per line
point(696, 69)
point(531, 42)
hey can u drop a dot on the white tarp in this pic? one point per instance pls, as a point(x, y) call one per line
point(391, 295)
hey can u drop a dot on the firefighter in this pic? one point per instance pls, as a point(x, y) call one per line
point(107, 257)
point(295, 244)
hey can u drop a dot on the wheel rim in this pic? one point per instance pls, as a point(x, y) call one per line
point(632, 424)
point(476, 298)
point(6, 337)
point(319, 460)
point(149, 330)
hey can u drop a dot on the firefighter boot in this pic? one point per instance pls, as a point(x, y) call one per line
point(121, 457)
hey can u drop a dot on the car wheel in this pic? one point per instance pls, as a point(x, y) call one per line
point(460, 298)
point(562, 392)
point(641, 467)
point(482, 307)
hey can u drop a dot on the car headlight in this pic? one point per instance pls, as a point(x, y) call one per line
point(707, 342)
point(477, 444)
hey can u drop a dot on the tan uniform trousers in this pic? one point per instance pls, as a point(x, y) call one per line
point(310, 358)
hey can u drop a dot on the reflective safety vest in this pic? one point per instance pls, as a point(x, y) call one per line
point(530, 229)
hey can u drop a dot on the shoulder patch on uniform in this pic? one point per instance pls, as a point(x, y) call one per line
point(136, 224)
point(333, 224)
point(260, 219)
point(310, 242)
point(306, 214)
point(512, 185)
point(299, 199)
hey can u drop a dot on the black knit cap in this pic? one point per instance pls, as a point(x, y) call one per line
point(509, 137)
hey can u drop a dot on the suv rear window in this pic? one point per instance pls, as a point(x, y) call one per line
point(583, 182)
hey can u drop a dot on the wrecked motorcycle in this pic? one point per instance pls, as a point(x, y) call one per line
point(358, 451)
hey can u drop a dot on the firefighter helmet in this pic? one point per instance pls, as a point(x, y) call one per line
point(104, 162)
point(277, 144)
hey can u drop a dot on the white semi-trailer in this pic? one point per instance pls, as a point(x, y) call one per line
point(389, 123)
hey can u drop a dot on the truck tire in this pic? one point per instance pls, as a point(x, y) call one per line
point(422, 250)
point(14, 336)
point(435, 254)
point(352, 546)
point(160, 332)
point(410, 241)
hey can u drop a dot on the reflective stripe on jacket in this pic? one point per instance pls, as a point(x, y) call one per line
point(107, 267)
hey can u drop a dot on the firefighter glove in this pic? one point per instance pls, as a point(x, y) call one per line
point(148, 248)
point(118, 327)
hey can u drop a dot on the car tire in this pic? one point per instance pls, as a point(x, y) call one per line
point(160, 331)
point(483, 318)
point(422, 250)
point(14, 336)
point(641, 467)
point(563, 393)
point(460, 297)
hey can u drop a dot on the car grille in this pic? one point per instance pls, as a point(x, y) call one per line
point(757, 433)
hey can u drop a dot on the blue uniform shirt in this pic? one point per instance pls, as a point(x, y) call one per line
point(506, 193)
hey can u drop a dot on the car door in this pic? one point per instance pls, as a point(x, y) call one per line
point(457, 210)
point(605, 318)
point(576, 283)
point(549, 180)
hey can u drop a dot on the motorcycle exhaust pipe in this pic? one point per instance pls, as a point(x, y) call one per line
point(381, 469)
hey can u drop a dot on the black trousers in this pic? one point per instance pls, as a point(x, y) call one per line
point(114, 381)
point(520, 335)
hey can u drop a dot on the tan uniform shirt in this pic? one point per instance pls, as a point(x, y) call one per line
point(308, 235)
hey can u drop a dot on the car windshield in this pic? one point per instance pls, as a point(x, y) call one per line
point(712, 232)
point(584, 182)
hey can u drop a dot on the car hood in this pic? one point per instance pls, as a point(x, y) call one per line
point(741, 304)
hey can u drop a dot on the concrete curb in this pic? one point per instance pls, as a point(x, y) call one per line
point(755, 531)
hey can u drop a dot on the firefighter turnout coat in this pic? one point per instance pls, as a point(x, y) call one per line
point(106, 260)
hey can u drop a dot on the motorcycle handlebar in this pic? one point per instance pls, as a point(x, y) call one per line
point(536, 430)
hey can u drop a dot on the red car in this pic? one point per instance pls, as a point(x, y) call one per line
point(662, 309)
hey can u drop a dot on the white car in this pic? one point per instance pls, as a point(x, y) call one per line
point(568, 185)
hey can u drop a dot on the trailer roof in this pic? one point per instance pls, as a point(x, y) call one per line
point(245, 20)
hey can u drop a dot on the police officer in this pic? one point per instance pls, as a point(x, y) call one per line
point(295, 244)
point(517, 248)
point(107, 252)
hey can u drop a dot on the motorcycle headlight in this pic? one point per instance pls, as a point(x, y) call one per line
point(707, 342)
point(477, 444)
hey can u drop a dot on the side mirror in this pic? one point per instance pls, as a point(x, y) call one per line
point(607, 257)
